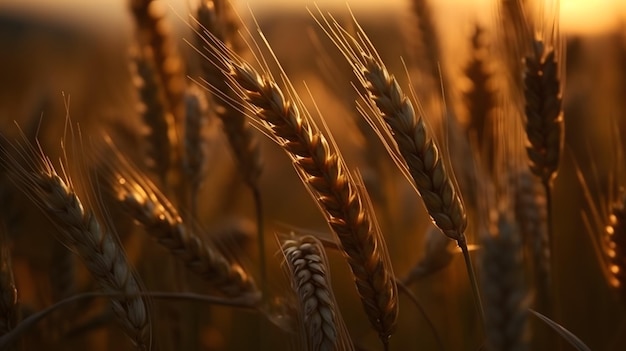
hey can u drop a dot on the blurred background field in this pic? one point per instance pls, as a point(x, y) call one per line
point(71, 57)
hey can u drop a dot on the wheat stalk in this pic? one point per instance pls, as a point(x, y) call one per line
point(80, 228)
point(148, 206)
point(480, 101)
point(505, 296)
point(155, 116)
point(544, 121)
point(616, 246)
point(310, 280)
point(156, 41)
point(412, 147)
point(544, 112)
point(530, 214)
point(194, 157)
point(342, 201)
point(407, 139)
point(216, 21)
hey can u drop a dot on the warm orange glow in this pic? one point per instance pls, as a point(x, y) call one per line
point(577, 16)
point(614, 269)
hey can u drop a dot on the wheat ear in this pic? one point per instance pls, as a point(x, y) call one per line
point(148, 206)
point(310, 280)
point(506, 298)
point(155, 39)
point(343, 202)
point(411, 146)
point(427, 39)
point(407, 139)
point(216, 21)
point(80, 228)
point(156, 117)
point(544, 123)
point(530, 214)
point(544, 112)
point(480, 100)
point(194, 157)
point(615, 251)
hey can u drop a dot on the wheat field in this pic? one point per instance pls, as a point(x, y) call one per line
point(215, 177)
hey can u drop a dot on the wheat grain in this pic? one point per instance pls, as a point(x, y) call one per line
point(342, 201)
point(505, 296)
point(80, 228)
point(480, 101)
point(156, 117)
point(194, 157)
point(530, 214)
point(413, 148)
point(156, 41)
point(544, 113)
point(215, 21)
point(616, 246)
point(148, 206)
point(310, 280)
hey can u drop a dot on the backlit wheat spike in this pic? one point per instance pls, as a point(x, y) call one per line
point(156, 40)
point(412, 147)
point(480, 101)
point(544, 112)
point(530, 214)
point(615, 250)
point(80, 229)
point(148, 206)
point(214, 18)
point(343, 202)
point(505, 295)
point(406, 138)
point(158, 120)
point(195, 155)
point(310, 279)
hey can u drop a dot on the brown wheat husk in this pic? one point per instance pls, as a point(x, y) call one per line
point(194, 156)
point(544, 112)
point(310, 280)
point(505, 294)
point(162, 221)
point(616, 247)
point(82, 230)
point(480, 101)
point(343, 201)
point(531, 216)
point(154, 34)
point(412, 147)
point(216, 20)
point(156, 117)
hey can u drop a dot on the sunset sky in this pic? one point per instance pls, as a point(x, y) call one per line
point(578, 16)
